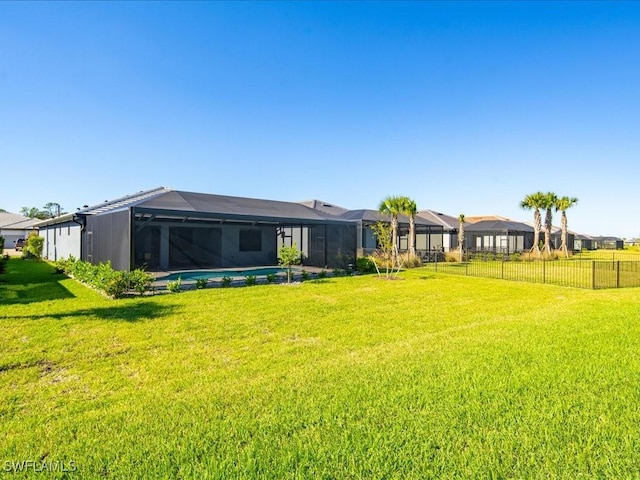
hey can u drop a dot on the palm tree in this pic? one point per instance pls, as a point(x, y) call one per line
point(548, 204)
point(393, 206)
point(461, 235)
point(562, 205)
point(410, 209)
point(534, 201)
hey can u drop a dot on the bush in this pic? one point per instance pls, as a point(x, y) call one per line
point(34, 245)
point(515, 257)
point(410, 261)
point(139, 281)
point(337, 272)
point(365, 265)
point(250, 280)
point(451, 257)
point(271, 278)
point(102, 277)
point(225, 281)
point(305, 275)
point(174, 286)
point(201, 283)
point(322, 274)
point(1, 245)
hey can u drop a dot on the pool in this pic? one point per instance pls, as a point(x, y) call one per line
point(210, 274)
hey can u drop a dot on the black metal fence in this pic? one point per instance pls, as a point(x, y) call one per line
point(593, 274)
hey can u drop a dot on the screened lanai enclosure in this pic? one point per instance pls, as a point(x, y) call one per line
point(429, 236)
point(498, 236)
point(164, 229)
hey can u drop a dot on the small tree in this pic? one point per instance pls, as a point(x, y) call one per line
point(1, 245)
point(289, 256)
point(461, 235)
point(34, 245)
point(387, 250)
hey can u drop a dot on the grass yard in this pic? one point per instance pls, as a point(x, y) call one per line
point(433, 376)
point(569, 273)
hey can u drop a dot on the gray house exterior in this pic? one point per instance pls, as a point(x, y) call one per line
point(165, 229)
point(449, 225)
point(498, 236)
point(428, 234)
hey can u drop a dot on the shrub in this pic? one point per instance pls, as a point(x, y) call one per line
point(116, 285)
point(174, 286)
point(34, 245)
point(1, 245)
point(515, 257)
point(305, 275)
point(337, 272)
point(410, 261)
point(250, 280)
point(322, 274)
point(139, 281)
point(271, 278)
point(225, 281)
point(201, 283)
point(365, 265)
point(451, 257)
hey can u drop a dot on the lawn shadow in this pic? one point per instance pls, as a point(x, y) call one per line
point(40, 290)
point(125, 312)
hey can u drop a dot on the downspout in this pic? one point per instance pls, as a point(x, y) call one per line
point(82, 221)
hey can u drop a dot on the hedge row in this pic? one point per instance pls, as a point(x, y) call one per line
point(114, 283)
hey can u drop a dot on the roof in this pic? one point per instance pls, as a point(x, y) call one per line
point(107, 206)
point(173, 203)
point(13, 221)
point(447, 221)
point(324, 207)
point(498, 226)
point(481, 218)
point(375, 216)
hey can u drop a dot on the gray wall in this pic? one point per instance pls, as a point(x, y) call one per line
point(61, 241)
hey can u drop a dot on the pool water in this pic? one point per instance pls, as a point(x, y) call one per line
point(209, 274)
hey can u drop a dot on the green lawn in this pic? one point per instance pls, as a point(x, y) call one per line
point(432, 376)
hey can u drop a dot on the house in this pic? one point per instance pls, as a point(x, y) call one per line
point(14, 226)
point(498, 236)
point(450, 226)
point(608, 243)
point(428, 234)
point(165, 229)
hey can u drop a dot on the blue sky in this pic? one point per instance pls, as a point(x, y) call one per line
point(465, 107)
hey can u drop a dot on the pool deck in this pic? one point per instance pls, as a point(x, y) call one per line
point(297, 269)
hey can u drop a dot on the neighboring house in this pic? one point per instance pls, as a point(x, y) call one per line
point(498, 236)
point(608, 243)
point(14, 226)
point(556, 237)
point(165, 229)
point(449, 225)
point(583, 242)
point(428, 234)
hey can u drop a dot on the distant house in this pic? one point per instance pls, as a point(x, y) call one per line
point(14, 226)
point(166, 229)
point(583, 242)
point(428, 234)
point(498, 236)
point(449, 225)
point(608, 243)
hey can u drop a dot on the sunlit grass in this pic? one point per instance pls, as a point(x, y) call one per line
point(432, 376)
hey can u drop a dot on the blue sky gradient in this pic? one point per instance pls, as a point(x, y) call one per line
point(465, 107)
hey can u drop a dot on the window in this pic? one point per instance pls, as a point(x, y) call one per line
point(250, 240)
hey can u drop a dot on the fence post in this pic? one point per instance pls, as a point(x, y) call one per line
point(593, 274)
point(502, 273)
point(618, 274)
point(466, 268)
point(544, 271)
